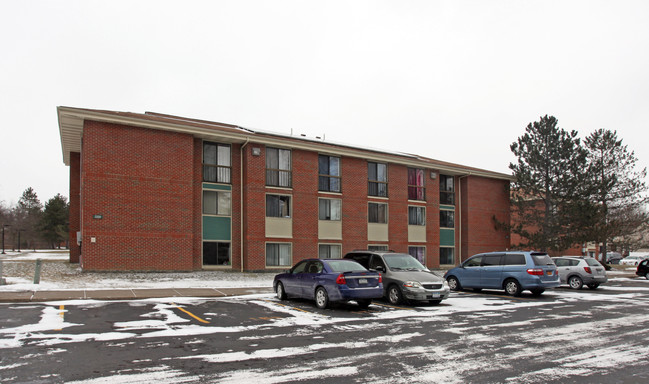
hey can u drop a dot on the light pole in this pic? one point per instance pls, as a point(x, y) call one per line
point(3, 237)
point(19, 230)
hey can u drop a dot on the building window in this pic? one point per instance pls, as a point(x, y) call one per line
point(217, 203)
point(377, 248)
point(278, 254)
point(377, 213)
point(447, 219)
point(216, 163)
point(418, 253)
point(447, 256)
point(416, 189)
point(215, 253)
point(328, 173)
point(416, 215)
point(329, 209)
point(278, 167)
point(377, 175)
point(446, 190)
point(330, 251)
point(278, 206)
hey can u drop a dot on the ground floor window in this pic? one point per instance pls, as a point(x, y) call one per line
point(418, 253)
point(447, 256)
point(330, 251)
point(377, 248)
point(278, 254)
point(215, 253)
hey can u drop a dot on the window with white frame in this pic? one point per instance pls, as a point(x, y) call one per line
point(330, 251)
point(377, 213)
point(278, 206)
point(278, 254)
point(418, 253)
point(278, 167)
point(328, 173)
point(446, 219)
point(329, 209)
point(217, 166)
point(416, 189)
point(416, 215)
point(377, 179)
point(377, 248)
point(217, 202)
point(447, 256)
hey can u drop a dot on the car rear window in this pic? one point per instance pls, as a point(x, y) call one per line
point(542, 259)
point(593, 262)
point(345, 266)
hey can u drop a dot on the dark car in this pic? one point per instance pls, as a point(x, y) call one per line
point(405, 279)
point(643, 269)
point(512, 271)
point(329, 280)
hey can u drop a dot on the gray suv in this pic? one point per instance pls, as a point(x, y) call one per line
point(404, 277)
point(577, 271)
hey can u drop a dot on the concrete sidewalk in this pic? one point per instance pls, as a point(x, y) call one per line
point(126, 294)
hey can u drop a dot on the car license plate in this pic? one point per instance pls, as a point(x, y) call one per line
point(550, 273)
point(436, 295)
point(362, 281)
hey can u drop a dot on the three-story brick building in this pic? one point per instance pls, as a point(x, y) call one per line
point(159, 192)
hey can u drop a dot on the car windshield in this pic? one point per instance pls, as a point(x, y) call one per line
point(542, 259)
point(403, 262)
point(593, 262)
point(345, 266)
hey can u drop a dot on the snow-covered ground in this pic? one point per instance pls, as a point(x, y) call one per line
point(58, 274)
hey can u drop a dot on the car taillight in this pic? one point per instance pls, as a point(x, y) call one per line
point(535, 271)
point(587, 269)
point(341, 279)
point(380, 279)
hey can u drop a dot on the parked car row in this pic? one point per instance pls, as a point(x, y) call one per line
point(363, 276)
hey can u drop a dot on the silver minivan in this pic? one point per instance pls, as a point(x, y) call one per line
point(577, 271)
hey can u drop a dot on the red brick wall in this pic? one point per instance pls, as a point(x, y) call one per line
point(482, 199)
point(75, 206)
point(141, 182)
point(354, 204)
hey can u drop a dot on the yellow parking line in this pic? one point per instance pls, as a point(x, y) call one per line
point(62, 314)
point(191, 314)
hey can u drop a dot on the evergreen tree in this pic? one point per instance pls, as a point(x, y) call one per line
point(54, 221)
point(546, 202)
point(28, 216)
point(616, 186)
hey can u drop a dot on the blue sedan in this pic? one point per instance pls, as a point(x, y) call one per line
point(329, 280)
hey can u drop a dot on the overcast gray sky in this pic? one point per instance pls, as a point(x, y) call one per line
point(452, 80)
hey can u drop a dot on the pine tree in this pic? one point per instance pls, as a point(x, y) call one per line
point(28, 216)
point(616, 186)
point(54, 221)
point(546, 192)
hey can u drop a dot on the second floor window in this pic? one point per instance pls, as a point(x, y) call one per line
point(216, 163)
point(377, 213)
point(329, 209)
point(278, 206)
point(278, 167)
point(446, 190)
point(416, 190)
point(416, 216)
point(447, 219)
point(377, 179)
point(217, 203)
point(328, 173)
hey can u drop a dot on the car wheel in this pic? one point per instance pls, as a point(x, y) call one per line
point(321, 298)
point(537, 292)
point(512, 287)
point(281, 294)
point(395, 297)
point(454, 283)
point(646, 275)
point(593, 286)
point(364, 303)
point(434, 302)
point(575, 282)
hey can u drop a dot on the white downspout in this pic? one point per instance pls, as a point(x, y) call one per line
point(241, 201)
